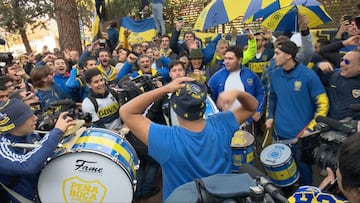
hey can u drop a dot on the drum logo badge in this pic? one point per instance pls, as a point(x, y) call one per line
point(276, 153)
point(76, 189)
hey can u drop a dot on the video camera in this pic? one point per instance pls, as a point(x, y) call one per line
point(5, 57)
point(48, 117)
point(133, 87)
point(322, 145)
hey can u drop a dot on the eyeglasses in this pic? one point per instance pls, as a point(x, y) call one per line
point(346, 61)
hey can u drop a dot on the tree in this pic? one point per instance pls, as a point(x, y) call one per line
point(67, 18)
point(18, 15)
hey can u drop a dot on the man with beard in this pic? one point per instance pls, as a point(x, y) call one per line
point(144, 62)
point(107, 71)
point(102, 102)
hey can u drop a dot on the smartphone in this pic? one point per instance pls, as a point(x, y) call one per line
point(348, 18)
point(102, 42)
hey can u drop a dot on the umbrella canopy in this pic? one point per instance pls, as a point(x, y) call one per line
point(282, 15)
point(223, 11)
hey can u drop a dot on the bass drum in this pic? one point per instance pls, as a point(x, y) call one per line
point(100, 167)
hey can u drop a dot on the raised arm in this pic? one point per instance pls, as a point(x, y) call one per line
point(132, 112)
point(248, 104)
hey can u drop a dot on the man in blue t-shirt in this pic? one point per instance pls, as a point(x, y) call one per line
point(197, 147)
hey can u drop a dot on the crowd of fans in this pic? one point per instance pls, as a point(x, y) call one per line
point(292, 85)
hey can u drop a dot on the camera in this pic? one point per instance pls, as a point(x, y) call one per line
point(321, 146)
point(48, 117)
point(347, 18)
point(134, 87)
point(102, 43)
point(6, 57)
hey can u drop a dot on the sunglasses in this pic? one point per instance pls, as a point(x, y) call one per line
point(346, 61)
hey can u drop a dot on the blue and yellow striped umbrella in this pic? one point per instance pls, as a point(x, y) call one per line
point(223, 11)
point(282, 15)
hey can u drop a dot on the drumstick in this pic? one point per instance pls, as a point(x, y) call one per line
point(75, 138)
point(267, 134)
point(24, 145)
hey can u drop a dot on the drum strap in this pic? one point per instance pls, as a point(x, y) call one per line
point(16, 195)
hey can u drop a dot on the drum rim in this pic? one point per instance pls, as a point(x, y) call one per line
point(124, 139)
point(247, 146)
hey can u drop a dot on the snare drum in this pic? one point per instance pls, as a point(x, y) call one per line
point(242, 145)
point(100, 167)
point(279, 164)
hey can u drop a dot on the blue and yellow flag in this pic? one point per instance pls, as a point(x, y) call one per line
point(95, 28)
point(141, 30)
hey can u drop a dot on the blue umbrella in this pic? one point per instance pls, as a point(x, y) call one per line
point(223, 11)
point(282, 15)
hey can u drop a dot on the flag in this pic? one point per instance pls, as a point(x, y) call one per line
point(95, 27)
point(141, 30)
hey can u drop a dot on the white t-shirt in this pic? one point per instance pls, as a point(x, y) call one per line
point(233, 81)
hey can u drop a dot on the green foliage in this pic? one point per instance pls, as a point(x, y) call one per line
point(119, 8)
point(18, 14)
point(86, 10)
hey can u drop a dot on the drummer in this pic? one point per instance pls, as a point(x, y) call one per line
point(197, 147)
point(23, 153)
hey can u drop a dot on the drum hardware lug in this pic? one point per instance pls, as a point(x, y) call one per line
point(115, 158)
point(137, 166)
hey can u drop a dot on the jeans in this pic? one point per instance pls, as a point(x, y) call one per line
point(101, 13)
point(157, 10)
point(304, 168)
point(146, 175)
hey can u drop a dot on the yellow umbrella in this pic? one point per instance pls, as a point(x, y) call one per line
point(223, 11)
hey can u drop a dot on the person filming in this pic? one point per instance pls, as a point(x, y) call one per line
point(347, 176)
point(22, 152)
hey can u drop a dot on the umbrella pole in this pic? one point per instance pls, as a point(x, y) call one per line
point(297, 29)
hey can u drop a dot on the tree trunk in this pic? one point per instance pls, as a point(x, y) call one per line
point(25, 40)
point(67, 19)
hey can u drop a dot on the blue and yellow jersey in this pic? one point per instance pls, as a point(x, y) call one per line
point(311, 194)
